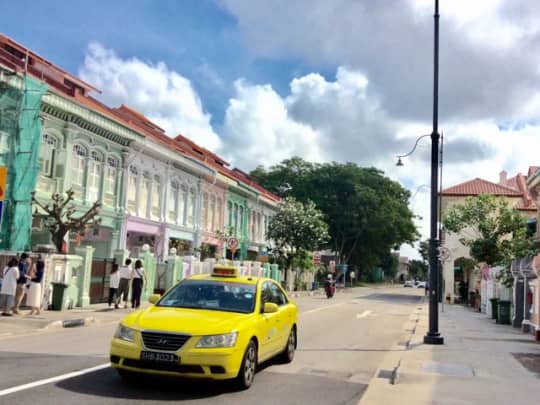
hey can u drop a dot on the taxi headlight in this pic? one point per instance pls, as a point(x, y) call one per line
point(225, 340)
point(124, 333)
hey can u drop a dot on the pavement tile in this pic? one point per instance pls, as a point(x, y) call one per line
point(480, 362)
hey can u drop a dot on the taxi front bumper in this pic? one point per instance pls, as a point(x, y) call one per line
point(206, 363)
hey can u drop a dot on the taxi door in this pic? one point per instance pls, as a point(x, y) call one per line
point(286, 314)
point(269, 325)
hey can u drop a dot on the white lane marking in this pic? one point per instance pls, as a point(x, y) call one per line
point(363, 314)
point(323, 308)
point(52, 379)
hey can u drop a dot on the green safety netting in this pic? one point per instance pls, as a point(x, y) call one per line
point(20, 123)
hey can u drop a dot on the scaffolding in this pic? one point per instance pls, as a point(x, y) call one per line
point(20, 128)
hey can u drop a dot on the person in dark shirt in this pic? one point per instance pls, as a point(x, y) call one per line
point(24, 265)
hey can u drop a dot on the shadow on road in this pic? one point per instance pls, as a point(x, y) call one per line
point(394, 298)
point(107, 383)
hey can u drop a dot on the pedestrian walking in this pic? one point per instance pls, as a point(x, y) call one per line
point(114, 282)
point(10, 274)
point(33, 298)
point(123, 285)
point(139, 278)
point(24, 266)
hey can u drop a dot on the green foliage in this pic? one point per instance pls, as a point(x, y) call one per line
point(494, 232)
point(423, 249)
point(367, 213)
point(296, 230)
point(418, 268)
point(390, 264)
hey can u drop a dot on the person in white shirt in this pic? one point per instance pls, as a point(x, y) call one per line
point(139, 278)
point(10, 274)
point(114, 282)
point(123, 285)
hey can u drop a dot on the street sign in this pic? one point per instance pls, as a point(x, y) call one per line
point(444, 253)
point(232, 244)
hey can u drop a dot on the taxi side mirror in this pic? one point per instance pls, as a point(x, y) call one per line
point(154, 298)
point(270, 307)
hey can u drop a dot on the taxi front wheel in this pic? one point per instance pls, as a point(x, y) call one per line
point(287, 355)
point(248, 367)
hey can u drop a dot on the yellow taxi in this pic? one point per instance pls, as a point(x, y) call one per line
point(217, 326)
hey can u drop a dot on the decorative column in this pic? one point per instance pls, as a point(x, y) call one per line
point(84, 275)
point(149, 264)
point(174, 269)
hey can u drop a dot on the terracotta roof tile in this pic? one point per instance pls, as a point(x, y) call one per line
point(479, 186)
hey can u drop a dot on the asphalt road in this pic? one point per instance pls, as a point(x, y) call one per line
point(341, 343)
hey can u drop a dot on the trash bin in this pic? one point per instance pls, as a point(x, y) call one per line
point(494, 307)
point(58, 294)
point(504, 312)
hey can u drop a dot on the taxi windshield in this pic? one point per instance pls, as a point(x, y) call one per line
point(212, 295)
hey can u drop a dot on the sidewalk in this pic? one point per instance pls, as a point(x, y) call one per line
point(480, 362)
point(49, 320)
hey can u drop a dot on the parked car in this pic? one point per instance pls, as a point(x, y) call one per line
point(420, 284)
point(408, 283)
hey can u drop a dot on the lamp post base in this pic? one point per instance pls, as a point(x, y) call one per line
point(433, 339)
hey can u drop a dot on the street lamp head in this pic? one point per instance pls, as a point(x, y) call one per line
point(399, 162)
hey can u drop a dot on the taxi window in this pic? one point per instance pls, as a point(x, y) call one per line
point(212, 295)
point(278, 297)
point(270, 292)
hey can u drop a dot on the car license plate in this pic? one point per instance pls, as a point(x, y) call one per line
point(158, 357)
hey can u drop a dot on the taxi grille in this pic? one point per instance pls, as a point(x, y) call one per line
point(164, 341)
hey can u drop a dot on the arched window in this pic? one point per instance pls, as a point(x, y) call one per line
point(173, 202)
point(212, 226)
point(146, 186)
point(258, 228)
point(182, 204)
point(218, 224)
point(204, 212)
point(156, 198)
point(191, 208)
point(95, 167)
point(49, 146)
point(230, 221)
point(241, 221)
point(109, 181)
point(132, 189)
point(80, 155)
point(235, 219)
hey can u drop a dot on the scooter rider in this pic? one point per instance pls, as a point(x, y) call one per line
point(329, 286)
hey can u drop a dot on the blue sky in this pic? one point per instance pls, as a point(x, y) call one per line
point(190, 36)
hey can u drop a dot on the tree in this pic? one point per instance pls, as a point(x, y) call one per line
point(423, 249)
point(418, 269)
point(366, 212)
point(61, 216)
point(296, 230)
point(494, 232)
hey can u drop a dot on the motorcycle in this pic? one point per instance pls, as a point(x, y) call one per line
point(329, 288)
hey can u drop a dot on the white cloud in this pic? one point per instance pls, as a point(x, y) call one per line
point(164, 96)
point(319, 120)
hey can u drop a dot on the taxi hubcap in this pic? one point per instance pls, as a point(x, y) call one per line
point(249, 369)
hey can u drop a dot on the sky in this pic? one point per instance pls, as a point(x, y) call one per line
point(344, 80)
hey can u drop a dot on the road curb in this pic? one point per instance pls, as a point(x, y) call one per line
point(388, 374)
point(71, 323)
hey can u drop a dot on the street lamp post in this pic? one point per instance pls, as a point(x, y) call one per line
point(433, 336)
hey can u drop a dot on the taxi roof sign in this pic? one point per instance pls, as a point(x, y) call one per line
point(225, 271)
